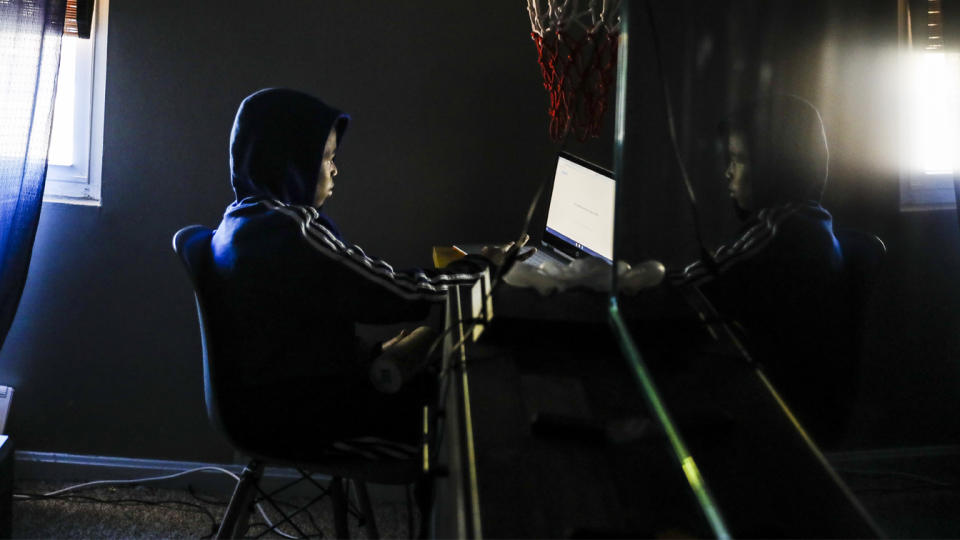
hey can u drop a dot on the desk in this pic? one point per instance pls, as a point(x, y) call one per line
point(505, 480)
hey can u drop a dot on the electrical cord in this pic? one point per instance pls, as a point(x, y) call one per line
point(140, 480)
point(705, 254)
point(62, 494)
point(205, 500)
point(266, 529)
point(217, 502)
point(902, 489)
point(510, 257)
point(899, 474)
point(58, 493)
point(439, 339)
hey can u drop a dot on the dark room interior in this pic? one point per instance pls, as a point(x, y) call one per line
point(447, 145)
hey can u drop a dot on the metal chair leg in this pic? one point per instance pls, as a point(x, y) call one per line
point(339, 498)
point(234, 523)
point(423, 493)
point(410, 523)
point(367, 509)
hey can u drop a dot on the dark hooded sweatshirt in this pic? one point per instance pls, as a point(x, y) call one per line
point(781, 281)
point(294, 288)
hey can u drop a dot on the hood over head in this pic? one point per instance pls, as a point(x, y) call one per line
point(786, 147)
point(276, 145)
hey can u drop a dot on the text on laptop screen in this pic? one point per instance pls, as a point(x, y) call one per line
point(581, 208)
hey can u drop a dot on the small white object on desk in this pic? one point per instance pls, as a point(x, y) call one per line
point(550, 277)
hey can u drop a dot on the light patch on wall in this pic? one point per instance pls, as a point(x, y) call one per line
point(934, 113)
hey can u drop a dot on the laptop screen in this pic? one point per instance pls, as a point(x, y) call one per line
point(580, 216)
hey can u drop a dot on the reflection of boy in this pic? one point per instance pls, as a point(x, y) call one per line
point(782, 278)
point(294, 289)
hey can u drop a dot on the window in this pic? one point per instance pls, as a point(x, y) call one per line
point(933, 131)
point(931, 107)
point(76, 142)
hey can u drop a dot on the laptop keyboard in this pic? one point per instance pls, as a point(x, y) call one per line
point(539, 258)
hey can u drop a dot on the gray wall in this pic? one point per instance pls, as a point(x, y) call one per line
point(448, 142)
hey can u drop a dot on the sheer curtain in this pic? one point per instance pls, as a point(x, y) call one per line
point(30, 32)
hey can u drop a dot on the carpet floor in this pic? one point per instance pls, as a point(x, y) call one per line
point(149, 512)
point(915, 497)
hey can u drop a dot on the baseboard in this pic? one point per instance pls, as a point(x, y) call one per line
point(889, 468)
point(888, 454)
point(79, 468)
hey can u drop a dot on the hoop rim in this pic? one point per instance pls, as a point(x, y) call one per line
point(558, 16)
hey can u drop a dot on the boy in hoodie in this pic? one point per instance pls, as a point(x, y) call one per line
point(781, 282)
point(294, 290)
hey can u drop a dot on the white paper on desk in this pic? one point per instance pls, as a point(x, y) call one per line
point(550, 277)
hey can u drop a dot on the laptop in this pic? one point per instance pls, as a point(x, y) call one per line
point(580, 215)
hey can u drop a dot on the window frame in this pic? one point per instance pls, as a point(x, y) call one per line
point(80, 183)
point(922, 192)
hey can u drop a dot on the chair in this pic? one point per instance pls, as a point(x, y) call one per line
point(863, 255)
point(192, 245)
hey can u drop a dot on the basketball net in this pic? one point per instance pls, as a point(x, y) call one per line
point(577, 50)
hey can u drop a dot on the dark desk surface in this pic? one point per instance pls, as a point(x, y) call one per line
point(569, 481)
point(612, 472)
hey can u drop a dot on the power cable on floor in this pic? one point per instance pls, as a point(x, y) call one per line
point(103, 483)
point(898, 474)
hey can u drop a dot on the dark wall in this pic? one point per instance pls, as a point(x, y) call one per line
point(448, 142)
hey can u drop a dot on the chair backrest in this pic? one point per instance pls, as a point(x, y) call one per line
point(192, 245)
point(863, 254)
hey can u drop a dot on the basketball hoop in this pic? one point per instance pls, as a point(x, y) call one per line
point(577, 51)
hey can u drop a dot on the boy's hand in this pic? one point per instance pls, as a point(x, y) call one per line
point(403, 357)
point(498, 254)
point(394, 340)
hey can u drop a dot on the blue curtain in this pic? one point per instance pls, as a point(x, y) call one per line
point(30, 32)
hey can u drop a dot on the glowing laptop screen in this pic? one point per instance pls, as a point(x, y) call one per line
point(581, 208)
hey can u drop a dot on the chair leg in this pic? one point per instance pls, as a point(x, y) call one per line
point(423, 494)
point(410, 524)
point(367, 509)
point(234, 523)
point(339, 498)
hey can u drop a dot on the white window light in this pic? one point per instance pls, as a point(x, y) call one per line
point(76, 142)
point(932, 134)
point(934, 130)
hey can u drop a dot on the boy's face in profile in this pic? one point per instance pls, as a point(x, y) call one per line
point(737, 172)
point(328, 169)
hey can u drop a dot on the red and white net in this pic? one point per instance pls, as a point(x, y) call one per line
point(577, 50)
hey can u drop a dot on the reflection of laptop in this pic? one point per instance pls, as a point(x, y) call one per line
point(580, 215)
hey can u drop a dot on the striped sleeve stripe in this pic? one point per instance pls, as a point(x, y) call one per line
point(356, 251)
point(326, 242)
point(411, 286)
point(418, 277)
point(746, 246)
